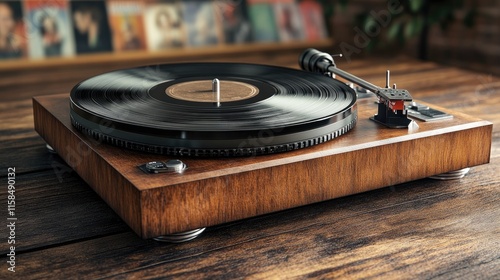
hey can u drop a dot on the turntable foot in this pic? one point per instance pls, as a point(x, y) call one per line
point(50, 149)
point(452, 175)
point(180, 237)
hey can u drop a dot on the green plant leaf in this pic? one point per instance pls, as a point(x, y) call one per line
point(413, 27)
point(393, 31)
point(369, 22)
point(417, 14)
point(416, 5)
point(409, 30)
point(419, 25)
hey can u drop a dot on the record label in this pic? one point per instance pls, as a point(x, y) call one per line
point(201, 91)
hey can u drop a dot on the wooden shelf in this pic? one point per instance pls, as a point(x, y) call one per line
point(137, 56)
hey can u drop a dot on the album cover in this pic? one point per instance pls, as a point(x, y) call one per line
point(313, 20)
point(164, 25)
point(263, 22)
point(12, 30)
point(288, 20)
point(200, 21)
point(127, 25)
point(234, 21)
point(90, 26)
point(49, 28)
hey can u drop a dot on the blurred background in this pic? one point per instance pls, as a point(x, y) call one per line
point(47, 46)
point(462, 33)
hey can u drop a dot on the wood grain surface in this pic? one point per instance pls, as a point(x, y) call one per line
point(422, 229)
point(220, 190)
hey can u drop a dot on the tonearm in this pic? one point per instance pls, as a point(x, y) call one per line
point(391, 101)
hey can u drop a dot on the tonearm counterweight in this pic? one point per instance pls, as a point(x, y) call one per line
point(391, 106)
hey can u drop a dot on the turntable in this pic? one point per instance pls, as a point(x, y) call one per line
point(176, 148)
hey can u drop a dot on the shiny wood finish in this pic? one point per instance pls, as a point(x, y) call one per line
point(420, 229)
point(215, 191)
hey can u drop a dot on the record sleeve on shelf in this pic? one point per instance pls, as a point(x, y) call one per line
point(49, 28)
point(261, 16)
point(201, 25)
point(313, 21)
point(127, 24)
point(91, 26)
point(288, 21)
point(12, 30)
point(234, 21)
point(164, 25)
point(72, 28)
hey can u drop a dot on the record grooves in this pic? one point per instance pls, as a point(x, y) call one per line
point(264, 109)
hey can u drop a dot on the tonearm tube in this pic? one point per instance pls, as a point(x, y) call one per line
point(391, 106)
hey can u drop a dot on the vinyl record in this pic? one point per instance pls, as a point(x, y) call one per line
point(171, 109)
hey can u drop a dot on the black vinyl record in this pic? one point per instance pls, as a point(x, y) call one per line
point(171, 109)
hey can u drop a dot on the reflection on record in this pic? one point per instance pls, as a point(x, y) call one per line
point(171, 109)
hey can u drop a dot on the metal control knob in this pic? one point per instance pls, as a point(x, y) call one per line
point(172, 166)
point(176, 165)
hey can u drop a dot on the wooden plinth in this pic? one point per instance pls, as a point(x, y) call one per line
point(214, 191)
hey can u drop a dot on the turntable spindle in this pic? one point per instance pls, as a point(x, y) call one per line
point(387, 78)
point(216, 91)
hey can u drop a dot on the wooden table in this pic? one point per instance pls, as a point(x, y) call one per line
point(421, 229)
